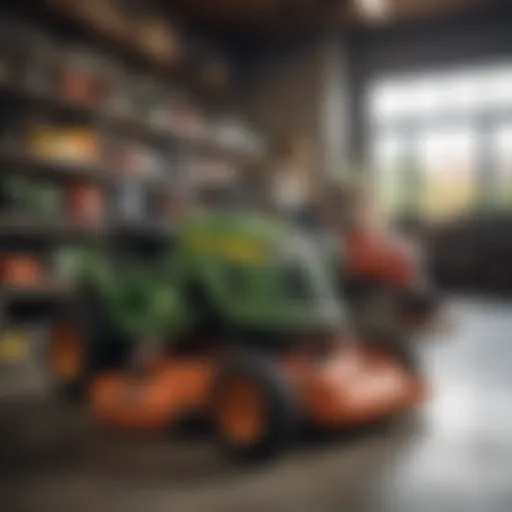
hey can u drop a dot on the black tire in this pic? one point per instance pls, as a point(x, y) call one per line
point(101, 349)
point(206, 313)
point(281, 414)
point(404, 350)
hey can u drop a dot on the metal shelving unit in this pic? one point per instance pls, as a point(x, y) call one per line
point(30, 231)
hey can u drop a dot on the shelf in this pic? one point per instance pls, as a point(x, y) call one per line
point(183, 73)
point(135, 127)
point(144, 230)
point(15, 228)
point(20, 228)
point(130, 127)
point(48, 291)
point(29, 303)
point(24, 163)
point(18, 162)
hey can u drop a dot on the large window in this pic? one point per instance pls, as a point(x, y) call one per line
point(441, 143)
point(446, 181)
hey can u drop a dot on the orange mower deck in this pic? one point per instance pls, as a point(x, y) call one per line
point(353, 386)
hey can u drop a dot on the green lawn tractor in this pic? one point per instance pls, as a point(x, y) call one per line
point(250, 330)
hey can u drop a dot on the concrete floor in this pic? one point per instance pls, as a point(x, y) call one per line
point(456, 456)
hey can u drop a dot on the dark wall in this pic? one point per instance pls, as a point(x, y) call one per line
point(479, 37)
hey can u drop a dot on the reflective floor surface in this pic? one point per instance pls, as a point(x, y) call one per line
point(454, 456)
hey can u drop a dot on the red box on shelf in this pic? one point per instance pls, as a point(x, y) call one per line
point(20, 270)
point(85, 204)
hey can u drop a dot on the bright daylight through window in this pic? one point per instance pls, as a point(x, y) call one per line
point(429, 141)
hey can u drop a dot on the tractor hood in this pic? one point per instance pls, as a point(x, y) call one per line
point(262, 273)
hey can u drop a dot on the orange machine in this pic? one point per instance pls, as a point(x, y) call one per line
point(380, 256)
point(255, 403)
point(379, 263)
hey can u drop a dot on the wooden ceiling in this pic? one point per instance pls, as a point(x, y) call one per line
point(271, 15)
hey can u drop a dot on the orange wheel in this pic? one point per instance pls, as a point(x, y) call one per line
point(241, 415)
point(67, 357)
point(255, 411)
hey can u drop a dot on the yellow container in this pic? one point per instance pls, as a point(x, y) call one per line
point(13, 346)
